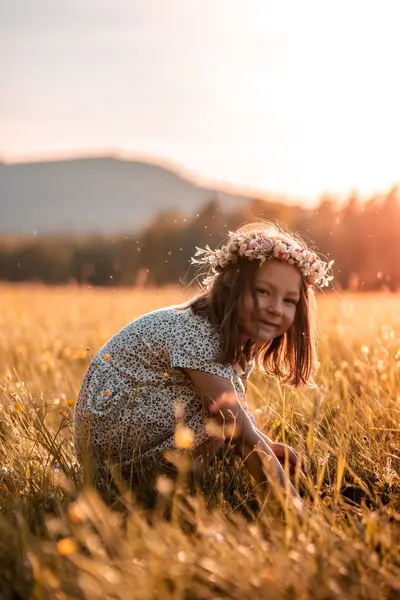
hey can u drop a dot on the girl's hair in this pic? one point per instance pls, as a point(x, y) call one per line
point(290, 357)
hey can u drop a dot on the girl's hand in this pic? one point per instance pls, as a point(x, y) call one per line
point(280, 451)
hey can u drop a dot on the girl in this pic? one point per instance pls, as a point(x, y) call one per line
point(256, 310)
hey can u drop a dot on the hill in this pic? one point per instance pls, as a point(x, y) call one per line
point(95, 195)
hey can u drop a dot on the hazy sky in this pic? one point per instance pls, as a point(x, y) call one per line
point(294, 96)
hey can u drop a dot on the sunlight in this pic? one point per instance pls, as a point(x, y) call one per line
point(318, 98)
point(281, 96)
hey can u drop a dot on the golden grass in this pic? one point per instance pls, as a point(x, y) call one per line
point(59, 540)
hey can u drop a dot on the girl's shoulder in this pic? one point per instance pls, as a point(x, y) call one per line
point(159, 317)
point(177, 317)
point(175, 330)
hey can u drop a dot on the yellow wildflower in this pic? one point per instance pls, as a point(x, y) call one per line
point(108, 393)
point(71, 403)
point(164, 485)
point(66, 547)
point(106, 357)
point(80, 354)
point(183, 437)
point(19, 407)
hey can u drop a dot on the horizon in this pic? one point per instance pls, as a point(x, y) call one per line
point(196, 178)
point(275, 98)
point(164, 163)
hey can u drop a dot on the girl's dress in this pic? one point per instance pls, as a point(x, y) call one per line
point(127, 404)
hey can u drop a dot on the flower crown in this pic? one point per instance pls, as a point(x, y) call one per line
point(315, 271)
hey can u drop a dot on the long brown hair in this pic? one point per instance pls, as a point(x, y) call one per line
point(290, 357)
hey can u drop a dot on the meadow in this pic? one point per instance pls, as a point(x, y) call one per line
point(59, 539)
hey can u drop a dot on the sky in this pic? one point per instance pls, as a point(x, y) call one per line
point(298, 97)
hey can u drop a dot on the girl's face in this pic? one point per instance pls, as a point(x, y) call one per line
point(277, 287)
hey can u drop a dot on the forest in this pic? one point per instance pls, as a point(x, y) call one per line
point(361, 237)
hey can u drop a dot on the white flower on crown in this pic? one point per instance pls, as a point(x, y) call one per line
point(262, 248)
point(243, 247)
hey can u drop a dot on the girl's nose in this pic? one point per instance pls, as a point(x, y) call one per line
point(275, 308)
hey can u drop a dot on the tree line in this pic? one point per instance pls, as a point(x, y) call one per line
point(362, 238)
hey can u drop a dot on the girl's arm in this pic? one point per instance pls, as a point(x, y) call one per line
point(220, 399)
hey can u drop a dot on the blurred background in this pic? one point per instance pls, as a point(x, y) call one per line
point(133, 130)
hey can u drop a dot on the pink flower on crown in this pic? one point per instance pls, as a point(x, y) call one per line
point(243, 247)
point(280, 251)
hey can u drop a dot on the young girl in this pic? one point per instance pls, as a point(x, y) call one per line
point(256, 310)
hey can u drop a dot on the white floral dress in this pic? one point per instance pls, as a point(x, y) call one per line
point(127, 403)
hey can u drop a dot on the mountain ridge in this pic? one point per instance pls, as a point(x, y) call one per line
point(102, 195)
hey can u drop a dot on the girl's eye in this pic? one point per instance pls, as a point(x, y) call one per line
point(263, 292)
point(290, 301)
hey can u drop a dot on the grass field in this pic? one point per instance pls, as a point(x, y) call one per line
point(59, 540)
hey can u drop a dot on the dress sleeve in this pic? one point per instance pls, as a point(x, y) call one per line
point(196, 344)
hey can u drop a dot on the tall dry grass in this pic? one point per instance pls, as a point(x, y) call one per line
point(59, 539)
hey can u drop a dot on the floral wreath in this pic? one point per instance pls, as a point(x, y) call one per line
point(260, 247)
